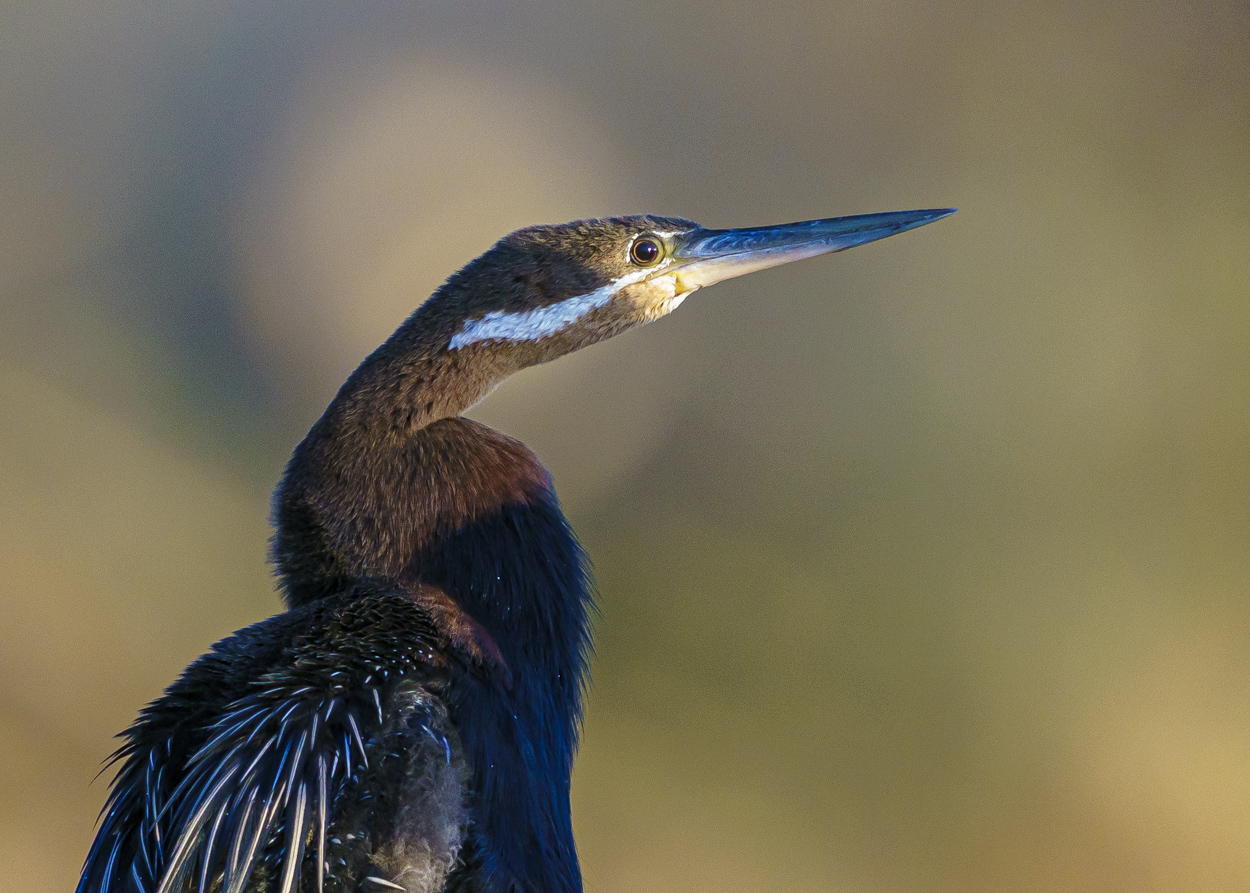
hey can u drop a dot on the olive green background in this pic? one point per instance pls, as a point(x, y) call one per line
point(923, 567)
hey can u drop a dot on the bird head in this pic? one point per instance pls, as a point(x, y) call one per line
point(544, 291)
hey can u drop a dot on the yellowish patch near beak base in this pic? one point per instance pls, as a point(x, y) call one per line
point(658, 295)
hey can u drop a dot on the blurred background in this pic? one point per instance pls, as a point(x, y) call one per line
point(923, 567)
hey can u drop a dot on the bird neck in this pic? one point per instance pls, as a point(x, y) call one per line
point(385, 468)
point(390, 463)
point(412, 380)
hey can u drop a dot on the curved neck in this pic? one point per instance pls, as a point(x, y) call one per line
point(389, 464)
point(408, 383)
point(363, 485)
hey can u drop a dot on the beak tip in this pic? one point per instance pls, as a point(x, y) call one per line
point(905, 220)
point(937, 214)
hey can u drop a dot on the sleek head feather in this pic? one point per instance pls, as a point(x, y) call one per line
point(561, 287)
point(585, 281)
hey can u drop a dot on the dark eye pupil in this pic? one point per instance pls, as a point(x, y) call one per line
point(645, 251)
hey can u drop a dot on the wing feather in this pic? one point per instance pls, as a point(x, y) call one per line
point(205, 794)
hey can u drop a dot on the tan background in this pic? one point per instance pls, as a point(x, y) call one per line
point(923, 567)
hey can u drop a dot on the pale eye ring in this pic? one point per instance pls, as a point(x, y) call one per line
point(646, 251)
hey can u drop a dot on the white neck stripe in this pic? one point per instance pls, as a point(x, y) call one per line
point(541, 322)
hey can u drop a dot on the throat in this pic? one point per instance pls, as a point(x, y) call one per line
point(402, 387)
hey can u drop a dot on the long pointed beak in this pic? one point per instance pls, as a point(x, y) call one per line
point(705, 256)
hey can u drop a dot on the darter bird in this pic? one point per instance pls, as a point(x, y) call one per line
point(409, 722)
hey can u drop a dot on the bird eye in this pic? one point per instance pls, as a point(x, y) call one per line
point(645, 251)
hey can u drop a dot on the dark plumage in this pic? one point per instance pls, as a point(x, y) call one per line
point(409, 723)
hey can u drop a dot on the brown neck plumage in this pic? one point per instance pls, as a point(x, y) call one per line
point(390, 464)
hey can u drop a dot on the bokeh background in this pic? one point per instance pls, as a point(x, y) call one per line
point(923, 567)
